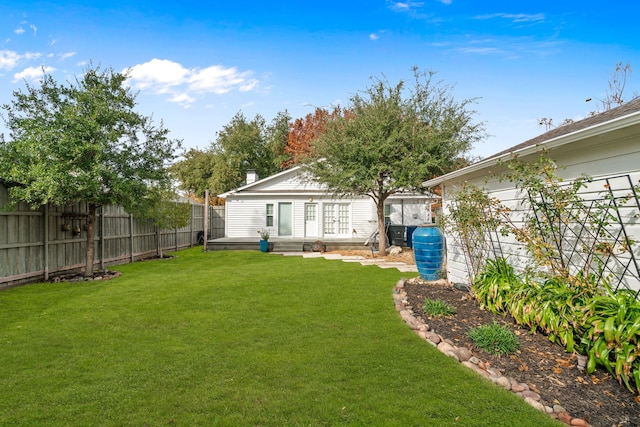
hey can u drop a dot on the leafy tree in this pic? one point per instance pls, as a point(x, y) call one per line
point(303, 132)
point(240, 145)
point(194, 171)
point(277, 137)
point(393, 140)
point(83, 142)
point(165, 212)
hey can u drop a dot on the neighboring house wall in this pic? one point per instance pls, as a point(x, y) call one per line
point(409, 211)
point(607, 153)
point(246, 215)
point(300, 208)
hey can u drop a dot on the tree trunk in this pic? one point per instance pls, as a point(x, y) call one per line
point(91, 232)
point(382, 235)
point(159, 242)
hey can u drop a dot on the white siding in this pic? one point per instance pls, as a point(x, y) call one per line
point(246, 215)
point(598, 157)
point(246, 208)
point(409, 211)
point(288, 181)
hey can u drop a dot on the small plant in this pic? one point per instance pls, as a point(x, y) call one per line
point(611, 338)
point(492, 286)
point(264, 234)
point(437, 308)
point(494, 338)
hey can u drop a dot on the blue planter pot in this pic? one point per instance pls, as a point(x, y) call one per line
point(428, 251)
point(264, 246)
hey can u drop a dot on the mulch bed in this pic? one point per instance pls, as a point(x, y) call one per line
point(544, 366)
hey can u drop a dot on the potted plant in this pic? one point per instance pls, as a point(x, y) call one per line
point(264, 240)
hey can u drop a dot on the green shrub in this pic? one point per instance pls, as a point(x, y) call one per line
point(492, 285)
point(437, 308)
point(494, 338)
point(611, 338)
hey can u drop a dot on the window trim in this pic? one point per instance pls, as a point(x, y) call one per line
point(269, 215)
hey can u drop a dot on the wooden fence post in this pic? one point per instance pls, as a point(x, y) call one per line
point(46, 242)
point(101, 237)
point(206, 218)
point(131, 235)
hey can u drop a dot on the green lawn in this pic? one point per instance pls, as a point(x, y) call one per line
point(233, 339)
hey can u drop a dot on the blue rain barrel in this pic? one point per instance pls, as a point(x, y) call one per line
point(428, 251)
point(410, 230)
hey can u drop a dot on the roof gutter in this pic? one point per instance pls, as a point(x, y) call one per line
point(559, 141)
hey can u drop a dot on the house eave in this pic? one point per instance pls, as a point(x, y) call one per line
point(258, 182)
point(592, 131)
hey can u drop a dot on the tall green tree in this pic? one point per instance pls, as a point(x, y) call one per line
point(239, 146)
point(277, 137)
point(195, 171)
point(83, 141)
point(394, 138)
point(166, 212)
point(242, 144)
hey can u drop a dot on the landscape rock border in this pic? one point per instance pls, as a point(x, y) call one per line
point(468, 359)
point(78, 277)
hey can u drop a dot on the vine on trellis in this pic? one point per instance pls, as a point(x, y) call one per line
point(571, 230)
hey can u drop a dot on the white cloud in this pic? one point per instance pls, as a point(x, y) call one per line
point(447, 2)
point(31, 55)
point(220, 80)
point(67, 55)
point(19, 30)
point(373, 37)
point(515, 17)
point(405, 6)
point(32, 73)
point(182, 99)
point(480, 50)
point(8, 59)
point(34, 28)
point(158, 74)
point(162, 76)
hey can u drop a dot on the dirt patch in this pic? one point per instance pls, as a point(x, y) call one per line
point(405, 256)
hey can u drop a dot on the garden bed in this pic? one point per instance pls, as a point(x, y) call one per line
point(544, 366)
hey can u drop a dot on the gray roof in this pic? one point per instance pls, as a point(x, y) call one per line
point(614, 113)
point(610, 119)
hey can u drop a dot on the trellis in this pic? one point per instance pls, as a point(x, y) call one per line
point(597, 236)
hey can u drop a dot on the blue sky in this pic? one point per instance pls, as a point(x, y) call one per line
point(197, 63)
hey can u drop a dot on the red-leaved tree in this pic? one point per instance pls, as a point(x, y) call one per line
point(302, 133)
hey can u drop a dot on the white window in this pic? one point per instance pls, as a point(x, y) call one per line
point(269, 222)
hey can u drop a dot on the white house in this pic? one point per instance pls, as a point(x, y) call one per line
point(291, 207)
point(605, 146)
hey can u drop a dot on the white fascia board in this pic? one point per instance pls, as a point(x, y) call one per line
point(589, 132)
point(260, 181)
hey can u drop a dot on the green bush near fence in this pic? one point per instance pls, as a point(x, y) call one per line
point(27, 234)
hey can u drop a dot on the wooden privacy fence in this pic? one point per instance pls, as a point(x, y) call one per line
point(36, 244)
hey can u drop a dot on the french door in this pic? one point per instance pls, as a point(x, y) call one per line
point(336, 219)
